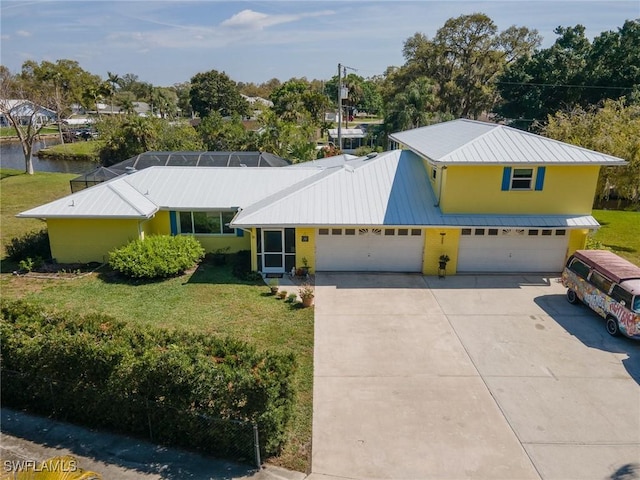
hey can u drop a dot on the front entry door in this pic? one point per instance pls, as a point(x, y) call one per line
point(272, 251)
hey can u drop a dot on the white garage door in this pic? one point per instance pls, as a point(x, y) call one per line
point(512, 250)
point(369, 249)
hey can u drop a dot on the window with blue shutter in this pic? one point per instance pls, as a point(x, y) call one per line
point(540, 178)
point(173, 222)
point(506, 178)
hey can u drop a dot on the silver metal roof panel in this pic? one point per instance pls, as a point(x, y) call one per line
point(468, 142)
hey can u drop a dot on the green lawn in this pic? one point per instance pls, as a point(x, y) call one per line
point(208, 300)
point(11, 132)
point(72, 151)
point(620, 232)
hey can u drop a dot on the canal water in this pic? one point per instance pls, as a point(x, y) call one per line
point(11, 156)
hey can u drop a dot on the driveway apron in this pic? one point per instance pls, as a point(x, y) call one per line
point(395, 393)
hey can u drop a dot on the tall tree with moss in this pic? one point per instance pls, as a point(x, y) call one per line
point(465, 58)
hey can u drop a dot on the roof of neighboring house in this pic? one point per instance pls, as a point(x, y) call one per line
point(141, 194)
point(385, 190)
point(347, 133)
point(26, 106)
point(468, 142)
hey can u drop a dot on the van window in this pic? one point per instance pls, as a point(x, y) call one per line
point(619, 294)
point(636, 304)
point(600, 281)
point(579, 268)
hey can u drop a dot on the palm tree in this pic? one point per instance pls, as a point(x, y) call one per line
point(114, 80)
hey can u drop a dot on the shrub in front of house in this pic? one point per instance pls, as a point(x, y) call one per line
point(33, 244)
point(175, 387)
point(157, 256)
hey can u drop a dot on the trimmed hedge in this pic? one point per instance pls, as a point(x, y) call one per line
point(192, 390)
point(157, 256)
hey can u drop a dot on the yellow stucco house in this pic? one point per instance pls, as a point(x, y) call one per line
point(492, 198)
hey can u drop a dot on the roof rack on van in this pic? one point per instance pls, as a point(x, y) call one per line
point(616, 268)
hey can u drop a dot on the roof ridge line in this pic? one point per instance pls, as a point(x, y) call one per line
point(294, 191)
point(124, 198)
point(492, 125)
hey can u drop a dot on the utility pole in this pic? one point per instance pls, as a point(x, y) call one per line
point(339, 107)
point(342, 69)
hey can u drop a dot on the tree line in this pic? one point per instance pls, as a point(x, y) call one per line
point(468, 69)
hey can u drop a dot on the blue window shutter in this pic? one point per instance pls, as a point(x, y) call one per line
point(239, 232)
point(506, 178)
point(540, 178)
point(174, 223)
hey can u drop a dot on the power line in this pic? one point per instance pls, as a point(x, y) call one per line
point(563, 85)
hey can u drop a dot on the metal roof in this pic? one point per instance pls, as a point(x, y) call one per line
point(114, 199)
point(141, 194)
point(186, 188)
point(326, 162)
point(390, 189)
point(467, 142)
point(347, 133)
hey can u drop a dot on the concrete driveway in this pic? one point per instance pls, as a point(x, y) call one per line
point(484, 377)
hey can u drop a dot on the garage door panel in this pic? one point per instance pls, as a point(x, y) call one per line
point(512, 253)
point(367, 251)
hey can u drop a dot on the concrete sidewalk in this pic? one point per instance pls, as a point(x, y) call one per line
point(117, 457)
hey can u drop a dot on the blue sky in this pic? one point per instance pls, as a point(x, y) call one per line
point(165, 42)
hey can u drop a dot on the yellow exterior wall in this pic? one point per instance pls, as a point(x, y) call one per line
point(477, 189)
point(306, 249)
point(436, 244)
point(233, 243)
point(577, 240)
point(89, 240)
point(158, 225)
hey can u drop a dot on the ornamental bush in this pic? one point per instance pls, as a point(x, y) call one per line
point(176, 387)
point(33, 244)
point(157, 256)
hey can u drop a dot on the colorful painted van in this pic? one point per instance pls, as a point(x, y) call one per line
point(607, 284)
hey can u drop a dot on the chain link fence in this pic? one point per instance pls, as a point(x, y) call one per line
point(152, 419)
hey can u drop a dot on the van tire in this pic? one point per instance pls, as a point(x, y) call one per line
point(572, 297)
point(612, 326)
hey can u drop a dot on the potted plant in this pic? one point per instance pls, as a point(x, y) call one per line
point(282, 294)
point(305, 267)
point(442, 261)
point(306, 294)
point(273, 285)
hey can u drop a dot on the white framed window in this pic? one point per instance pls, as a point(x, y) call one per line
point(206, 223)
point(522, 179)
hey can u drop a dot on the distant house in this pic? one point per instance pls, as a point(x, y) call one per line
point(25, 111)
point(351, 138)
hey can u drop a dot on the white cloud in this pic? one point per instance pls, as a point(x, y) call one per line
point(257, 21)
point(23, 33)
point(4, 37)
